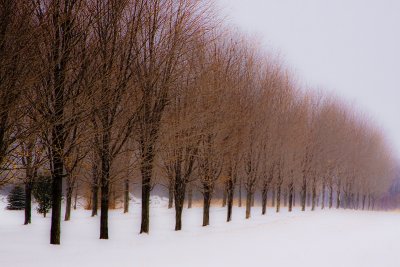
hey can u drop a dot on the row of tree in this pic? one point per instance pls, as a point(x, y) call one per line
point(96, 93)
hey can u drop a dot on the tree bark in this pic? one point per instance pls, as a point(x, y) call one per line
point(76, 196)
point(56, 148)
point(206, 207)
point(230, 192)
point(285, 200)
point(264, 197)
point(178, 216)
point(323, 195)
point(240, 193)
point(68, 203)
point(126, 196)
point(190, 197)
point(273, 196)
point(28, 202)
point(369, 202)
point(357, 201)
point(338, 196)
point(249, 199)
point(179, 197)
point(303, 193)
point(114, 198)
point(58, 169)
point(224, 194)
point(363, 201)
point(373, 203)
point(314, 193)
point(290, 197)
point(294, 197)
point(170, 194)
point(330, 194)
point(278, 197)
point(105, 184)
point(62, 43)
point(180, 191)
point(146, 170)
point(95, 189)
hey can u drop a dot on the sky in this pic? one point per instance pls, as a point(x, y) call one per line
point(348, 47)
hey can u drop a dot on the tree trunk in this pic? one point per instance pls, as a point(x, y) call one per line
point(179, 197)
point(179, 201)
point(95, 189)
point(104, 209)
point(363, 201)
point(264, 197)
point(285, 198)
point(190, 197)
point(113, 204)
point(369, 202)
point(60, 48)
point(303, 193)
point(314, 193)
point(294, 197)
point(357, 201)
point(230, 191)
point(68, 201)
point(330, 194)
point(126, 196)
point(206, 207)
point(76, 196)
point(323, 195)
point(240, 193)
point(290, 196)
point(57, 173)
point(178, 216)
point(224, 194)
point(338, 196)
point(273, 196)
point(170, 194)
point(28, 202)
point(278, 197)
point(373, 203)
point(146, 170)
point(249, 199)
point(105, 184)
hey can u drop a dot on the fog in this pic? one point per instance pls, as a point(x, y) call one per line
point(350, 48)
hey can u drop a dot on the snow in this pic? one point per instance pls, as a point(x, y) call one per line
point(320, 238)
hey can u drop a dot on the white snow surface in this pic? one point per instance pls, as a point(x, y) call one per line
point(321, 238)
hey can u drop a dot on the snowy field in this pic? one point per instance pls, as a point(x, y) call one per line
point(321, 238)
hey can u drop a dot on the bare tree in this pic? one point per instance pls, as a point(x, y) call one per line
point(166, 32)
point(61, 45)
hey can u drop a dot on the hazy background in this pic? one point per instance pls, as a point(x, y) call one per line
point(349, 47)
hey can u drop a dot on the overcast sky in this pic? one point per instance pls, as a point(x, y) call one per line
point(349, 47)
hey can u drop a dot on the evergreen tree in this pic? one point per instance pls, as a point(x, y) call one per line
point(16, 199)
point(42, 193)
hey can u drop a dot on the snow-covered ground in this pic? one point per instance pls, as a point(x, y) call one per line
point(321, 238)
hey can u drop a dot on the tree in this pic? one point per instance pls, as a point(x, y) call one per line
point(168, 28)
point(31, 154)
point(16, 61)
point(16, 199)
point(42, 192)
point(113, 103)
point(61, 44)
